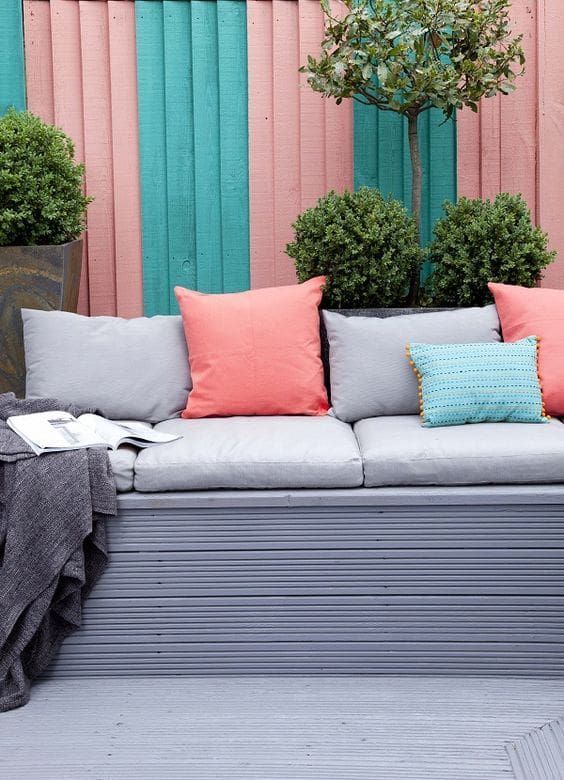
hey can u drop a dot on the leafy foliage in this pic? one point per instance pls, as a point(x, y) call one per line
point(365, 244)
point(41, 196)
point(409, 56)
point(412, 55)
point(477, 242)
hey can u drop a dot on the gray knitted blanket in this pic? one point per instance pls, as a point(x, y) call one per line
point(52, 546)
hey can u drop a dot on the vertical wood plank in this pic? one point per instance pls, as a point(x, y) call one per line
point(98, 153)
point(490, 158)
point(469, 148)
point(233, 133)
point(125, 156)
point(179, 148)
point(366, 147)
point(551, 132)
point(312, 106)
point(518, 115)
point(286, 164)
point(261, 141)
point(338, 134)
point(207, 173)
point(68, 98)
point(39, 59)
point(442, 183)
point(12, 73)
point(152, 143)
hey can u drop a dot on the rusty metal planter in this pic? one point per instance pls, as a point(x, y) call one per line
point(33, 277)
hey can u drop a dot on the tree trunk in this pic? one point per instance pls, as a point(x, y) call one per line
point(416, 185)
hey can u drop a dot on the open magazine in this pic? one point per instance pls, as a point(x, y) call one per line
point(60, 431)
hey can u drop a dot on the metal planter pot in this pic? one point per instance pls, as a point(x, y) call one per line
point(32, 277)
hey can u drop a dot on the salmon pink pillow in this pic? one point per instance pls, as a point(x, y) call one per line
point(537, 312)
point(255, 352)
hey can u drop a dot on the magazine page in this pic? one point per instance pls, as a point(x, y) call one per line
point(54, 431)
point(116, 432)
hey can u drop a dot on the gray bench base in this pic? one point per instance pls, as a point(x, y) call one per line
point(456, 581)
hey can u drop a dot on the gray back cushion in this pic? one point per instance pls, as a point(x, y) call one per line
point(128, 369)
point(370, 375)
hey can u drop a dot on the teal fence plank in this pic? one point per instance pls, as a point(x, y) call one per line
point(207, 163)
point(381, 159)
point(12, 68)
point(234, 184)
point(192, 74)
point(149, 24)
point(179, 148)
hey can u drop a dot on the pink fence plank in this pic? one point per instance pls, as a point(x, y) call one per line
point(286, 153)
point(125, 148)
point(312, 110)
point(67, 96)
point(38, 59)
point(469, 144)
point(551, 132)
point(98, 155)
point(261, 141)
point(519, 115)
point(81, 75)
point(300, 145)
point(339, 164)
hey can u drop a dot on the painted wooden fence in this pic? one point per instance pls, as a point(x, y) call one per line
point(202, 142)
point(81, 75)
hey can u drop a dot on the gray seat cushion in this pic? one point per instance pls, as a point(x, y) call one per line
point(370, 375)
point(122, 462)
point(400, 451)
point(252, 452)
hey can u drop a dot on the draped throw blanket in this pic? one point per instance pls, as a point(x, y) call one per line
point(52, 546)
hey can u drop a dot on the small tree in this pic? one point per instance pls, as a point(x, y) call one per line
point(409, 56)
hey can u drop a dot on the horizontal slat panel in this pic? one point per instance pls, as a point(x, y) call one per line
point(398, 589)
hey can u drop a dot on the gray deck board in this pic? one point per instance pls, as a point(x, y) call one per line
point(267, 728)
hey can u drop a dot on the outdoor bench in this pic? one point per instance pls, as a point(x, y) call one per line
point(304, 545)
point(392, 580)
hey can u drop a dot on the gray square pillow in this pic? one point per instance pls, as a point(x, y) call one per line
point(128, 369)
point(370, 375)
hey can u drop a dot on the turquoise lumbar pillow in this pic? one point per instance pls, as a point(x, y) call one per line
point(473, 383)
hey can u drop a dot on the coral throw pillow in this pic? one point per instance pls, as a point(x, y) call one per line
point(537, 312)
point(255, 352)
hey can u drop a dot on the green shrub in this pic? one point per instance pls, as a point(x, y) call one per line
point(41, 196)
point(484, 241)
point(365, 244)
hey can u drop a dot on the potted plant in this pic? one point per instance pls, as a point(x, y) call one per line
point(366, 245)
point(479, 241)
point(414, 55)
point(42, 214)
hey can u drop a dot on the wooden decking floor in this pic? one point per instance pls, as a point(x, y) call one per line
point(269, 728)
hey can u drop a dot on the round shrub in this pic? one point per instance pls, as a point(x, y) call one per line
point(365, 244)
point(41, 195)
point(481, 241)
